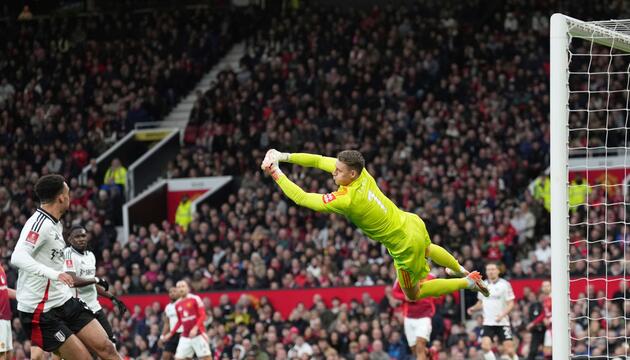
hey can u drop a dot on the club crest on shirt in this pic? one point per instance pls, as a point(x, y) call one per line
point(69, 263)
point(60, 336)
point(32, 237)
point(328, 198)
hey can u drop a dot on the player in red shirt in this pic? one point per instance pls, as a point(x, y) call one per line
point(6, 340)
point(545, 318)
point(418, 315)
point(191, 315)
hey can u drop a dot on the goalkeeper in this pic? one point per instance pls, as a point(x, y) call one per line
point(362, 202)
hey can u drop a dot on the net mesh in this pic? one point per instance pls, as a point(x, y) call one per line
point(599, 257)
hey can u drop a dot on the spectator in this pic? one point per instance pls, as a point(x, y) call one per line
point(116, 175)
point(543, 250)
point(377, 351)
point(542, 191)
point(26, 14)
point(301, 348)
point(183, 214)
point(524, 222)
point(578, 191)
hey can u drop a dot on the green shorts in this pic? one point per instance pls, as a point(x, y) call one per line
point(411, 262)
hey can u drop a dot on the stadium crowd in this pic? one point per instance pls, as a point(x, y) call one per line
point(449, 110)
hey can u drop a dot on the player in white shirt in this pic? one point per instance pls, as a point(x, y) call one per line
point(170, 319)
point(80, 263)
point(52, 319)
point(496, 311)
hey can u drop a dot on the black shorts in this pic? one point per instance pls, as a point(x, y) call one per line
point(171, 344)
point(102, 319)
point(503, 332)
point(50, 330)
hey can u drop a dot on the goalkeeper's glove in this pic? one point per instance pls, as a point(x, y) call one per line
point(122, 308)
point(271, 169)
point(274, 156)
point(102, 283)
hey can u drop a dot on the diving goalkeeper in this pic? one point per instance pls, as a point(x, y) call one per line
point(358, 198)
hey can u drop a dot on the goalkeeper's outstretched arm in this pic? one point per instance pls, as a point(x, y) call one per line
point(317, 161)
point(333, 202)
point(303, 159)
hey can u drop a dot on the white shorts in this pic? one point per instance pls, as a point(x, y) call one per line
point(417, 328)
point(548, 342)
point(187, 347)
point(6, 340)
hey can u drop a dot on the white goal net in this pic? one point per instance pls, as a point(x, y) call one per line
point(590, 100)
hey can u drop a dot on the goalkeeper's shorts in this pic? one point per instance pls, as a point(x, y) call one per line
point(411, 263)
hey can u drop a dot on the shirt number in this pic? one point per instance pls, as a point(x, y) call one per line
point(372, 197)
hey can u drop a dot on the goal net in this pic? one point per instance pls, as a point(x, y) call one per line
point(589, 104)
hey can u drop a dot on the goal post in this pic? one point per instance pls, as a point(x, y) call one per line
point(589, 114)
point(559, 156)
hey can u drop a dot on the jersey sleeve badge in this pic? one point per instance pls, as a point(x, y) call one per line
point(32, 237)
point(327, 198)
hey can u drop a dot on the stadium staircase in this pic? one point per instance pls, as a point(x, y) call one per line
point(178, 117)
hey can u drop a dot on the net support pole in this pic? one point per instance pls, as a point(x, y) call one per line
point(559, 99)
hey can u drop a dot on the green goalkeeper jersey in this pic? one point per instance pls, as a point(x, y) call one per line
point(362, 202)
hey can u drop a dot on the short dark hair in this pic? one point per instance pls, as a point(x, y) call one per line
point(76, 227)
point(48, 187)
point(353, 159)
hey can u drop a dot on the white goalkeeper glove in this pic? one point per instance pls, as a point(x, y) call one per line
point(272, 169)
point(273, 156)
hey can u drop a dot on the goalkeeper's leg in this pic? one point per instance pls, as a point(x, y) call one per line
point(437, 287)
point(440, 256)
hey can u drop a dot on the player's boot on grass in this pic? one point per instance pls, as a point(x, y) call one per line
point(477, 284)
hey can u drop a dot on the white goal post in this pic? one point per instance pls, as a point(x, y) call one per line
point(589, 102)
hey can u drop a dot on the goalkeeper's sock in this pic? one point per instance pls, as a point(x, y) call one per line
point(439, 287)
point(443, 258)
point(462, 272)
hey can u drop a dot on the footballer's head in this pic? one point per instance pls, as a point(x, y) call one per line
point(78, 238)
point(545, 287)
point(52, 190)
point(182, 287)
point(492, 271)
point(350, 164)
point(173, 293)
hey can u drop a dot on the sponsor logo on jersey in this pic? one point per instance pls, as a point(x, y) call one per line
point(56, 253)
point(32, 237)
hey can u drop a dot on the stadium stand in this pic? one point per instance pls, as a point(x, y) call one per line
point(449, 110)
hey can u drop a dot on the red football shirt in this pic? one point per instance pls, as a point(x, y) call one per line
point(416, 309)
point(190, 312)
point(546, 313)
point(5, 308)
